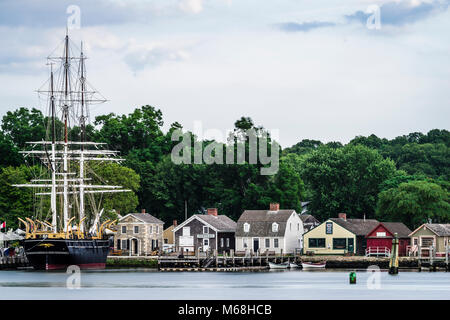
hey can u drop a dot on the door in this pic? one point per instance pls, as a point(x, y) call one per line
point(205, 245)
point(255, 244)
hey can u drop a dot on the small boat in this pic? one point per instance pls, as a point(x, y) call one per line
point(278, 266)
point(293, 265)
point(314, 264)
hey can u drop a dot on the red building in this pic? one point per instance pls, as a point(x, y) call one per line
point(379, 240)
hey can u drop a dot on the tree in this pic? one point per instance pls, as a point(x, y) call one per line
point(115, 174)
point(9, 153)
point(24, 125)
point(18, 202)
point(344, 180)
point(414, 203)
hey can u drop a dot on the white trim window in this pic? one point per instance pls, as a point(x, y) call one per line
point(221, 242)
point(245, 243)
point(205, 229)
point(274, 227)
point(124, 229)
point(246, 227)
point(157, 229)
point(275, 243)
point(228, 242)
point(136, 229)
point(186, 231)
point(267, 242)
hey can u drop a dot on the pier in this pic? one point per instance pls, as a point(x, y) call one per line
point(230, 261)
point(429, 261)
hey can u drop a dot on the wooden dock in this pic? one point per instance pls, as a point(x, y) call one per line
point(431, 262)
point(222, 262)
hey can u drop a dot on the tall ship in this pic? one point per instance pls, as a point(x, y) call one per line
point(68, 229)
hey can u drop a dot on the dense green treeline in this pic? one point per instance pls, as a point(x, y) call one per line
point(404, 179)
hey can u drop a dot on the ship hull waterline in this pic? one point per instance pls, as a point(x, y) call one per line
point(58, 254)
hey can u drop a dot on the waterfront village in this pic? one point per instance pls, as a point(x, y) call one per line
point(261, 237)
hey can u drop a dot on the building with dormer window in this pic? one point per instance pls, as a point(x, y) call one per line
point(269, 230)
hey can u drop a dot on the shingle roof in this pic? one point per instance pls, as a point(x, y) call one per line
point(220, 222)
point(261, 223)
point(359, 227)
point(146, 217)
point(308, 218)
point(399, 228)
point(442, 230)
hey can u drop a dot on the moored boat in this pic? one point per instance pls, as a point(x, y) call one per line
point(293, 265)
point(307, 265)
point(278, 266)
point(77, 232)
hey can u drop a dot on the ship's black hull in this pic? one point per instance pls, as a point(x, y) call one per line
point(55, 254)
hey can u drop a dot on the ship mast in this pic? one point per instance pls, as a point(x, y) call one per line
point(66, 114)
point(82, 138)
point(65, 96)
point(53, 163)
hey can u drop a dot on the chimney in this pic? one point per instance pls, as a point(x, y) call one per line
point(274, 206)
point(343, 216)
point(212, 211)
point(143, 210)
point(174, 223)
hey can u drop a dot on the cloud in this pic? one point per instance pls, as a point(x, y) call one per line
point(305, 26)
point(404, 12)
point(191, 6)
point(139, 57)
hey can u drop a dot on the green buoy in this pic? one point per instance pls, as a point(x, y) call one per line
point(352, 277)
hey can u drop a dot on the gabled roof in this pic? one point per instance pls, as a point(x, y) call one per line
point(394, 227)
point(261, 222)
point(440, 229)
point(308, 218)
point(359, 227)
point(144, 217)
point(219, 223)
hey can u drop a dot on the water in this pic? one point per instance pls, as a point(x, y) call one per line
point(138, 284)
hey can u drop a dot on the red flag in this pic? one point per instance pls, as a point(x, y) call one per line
point(3, 225)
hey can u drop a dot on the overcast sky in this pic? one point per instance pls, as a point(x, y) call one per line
point(309, 68)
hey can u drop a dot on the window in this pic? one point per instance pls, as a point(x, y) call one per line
point(274, 227)
point(124, 229)
point(298, 226)
point(244, 242)
point(136, 229)
point(124, 244)
point(246, 227)
point(329, 228)
point(205, 229)
point(166, 241)
point(350, 245)
point(206, 242)
point(221, 242)
point(275, 243)
point(186, 231)
point(381, 234)
point(316, 242)
point(157, 229)
point(339, 243)
point(415, 241)
point(427, 242)
point(267, 243)
point(228, 242)
point(151, 229)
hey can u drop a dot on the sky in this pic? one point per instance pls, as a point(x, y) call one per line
point(310, 69)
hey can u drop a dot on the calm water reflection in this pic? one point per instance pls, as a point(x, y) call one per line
point(149, 284)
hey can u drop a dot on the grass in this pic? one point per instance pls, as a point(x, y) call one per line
point(134, 263)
